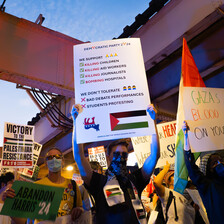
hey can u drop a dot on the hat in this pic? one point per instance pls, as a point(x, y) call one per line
point(167, 177)
point(203, 163)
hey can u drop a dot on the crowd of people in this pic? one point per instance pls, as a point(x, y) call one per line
point(114, 196)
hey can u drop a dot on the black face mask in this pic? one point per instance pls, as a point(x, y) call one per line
point(219, 169)
point(118, 164)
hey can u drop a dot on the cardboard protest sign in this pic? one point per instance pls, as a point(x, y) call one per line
point(33, 201)
point(98, 154)
point(77, 178)
point(203, 110)
point(166, 132)
point(36, 152)
point(111, 86)
point(142, 145)
point(17, 145)
point(142, 148)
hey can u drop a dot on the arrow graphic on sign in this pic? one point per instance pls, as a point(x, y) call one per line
point(116, 118)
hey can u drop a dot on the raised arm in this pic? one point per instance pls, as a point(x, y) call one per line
point(78, 151)
point(197, 177)
point(150, 162)
point(158, 180)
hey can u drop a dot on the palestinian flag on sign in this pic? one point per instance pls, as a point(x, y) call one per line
point(124, 120)
point(140, 213)
point(113, 191)
point(16, 141)
point(190, 77)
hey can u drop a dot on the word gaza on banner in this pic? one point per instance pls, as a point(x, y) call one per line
point(17, 149)
point(33, 201)
point(98, 154)
point(111, 86)
point(203, 110)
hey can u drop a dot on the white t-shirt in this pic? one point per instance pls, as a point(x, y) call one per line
point(185, 211)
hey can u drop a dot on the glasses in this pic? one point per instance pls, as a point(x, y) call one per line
point(57, 156)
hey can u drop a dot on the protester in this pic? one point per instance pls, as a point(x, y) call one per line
point(71, 202)
point(176, 207)
point(209, 180)
point(117, 193)
point(6, 181)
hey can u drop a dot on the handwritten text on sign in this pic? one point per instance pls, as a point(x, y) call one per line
point(17, 145)
point(111, 86)
point(203, 108)
point(142, 145)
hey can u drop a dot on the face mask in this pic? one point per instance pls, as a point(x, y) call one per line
point(219, 169)
point(118, 163)
point(54, 165)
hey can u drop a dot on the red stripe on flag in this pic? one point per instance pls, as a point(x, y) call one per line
point(190, 73)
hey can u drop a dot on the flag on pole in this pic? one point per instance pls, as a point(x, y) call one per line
point(190, 77)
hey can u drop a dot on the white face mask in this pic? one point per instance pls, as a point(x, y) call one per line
point(54, 165)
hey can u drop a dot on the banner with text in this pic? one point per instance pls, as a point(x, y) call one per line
point(203, 110)
point(98, 154)
point(33, 201)
point(167, 133)
point(36, 152)
point(17, 149)
point(111, 86)
point(142, 145)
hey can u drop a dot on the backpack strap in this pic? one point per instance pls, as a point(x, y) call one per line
point(169, 201)
point(75, 195)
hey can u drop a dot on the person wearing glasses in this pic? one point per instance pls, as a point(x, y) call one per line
point(117, 194)
point(71, 202)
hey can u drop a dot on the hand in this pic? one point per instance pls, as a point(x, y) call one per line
point(76, 109)
point(185, 127)
point(76, 212)
point(152, 111)
point(167, 166)
point(8, 193)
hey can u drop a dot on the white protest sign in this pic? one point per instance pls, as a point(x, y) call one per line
point(142, 145)
point(17, 149)
point(98, 154)
point(111, 86)
point(203, 110)
point(166, 132)
point(142, 148)
point(36, 152)
point(77, 178)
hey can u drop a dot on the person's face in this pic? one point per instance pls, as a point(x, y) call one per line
point(54, 153)
point(117, 148)
point(214, 162)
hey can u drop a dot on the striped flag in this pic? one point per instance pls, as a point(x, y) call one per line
point(124, 120)
point(190, 77)
point(113, 191)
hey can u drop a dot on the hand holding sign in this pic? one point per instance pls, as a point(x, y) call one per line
point(152, 111)
point(76, 109)
point(8, 193)
point(185, 128)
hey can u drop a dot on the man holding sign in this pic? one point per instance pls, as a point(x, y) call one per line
point(71, 202)
point(117, 194)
